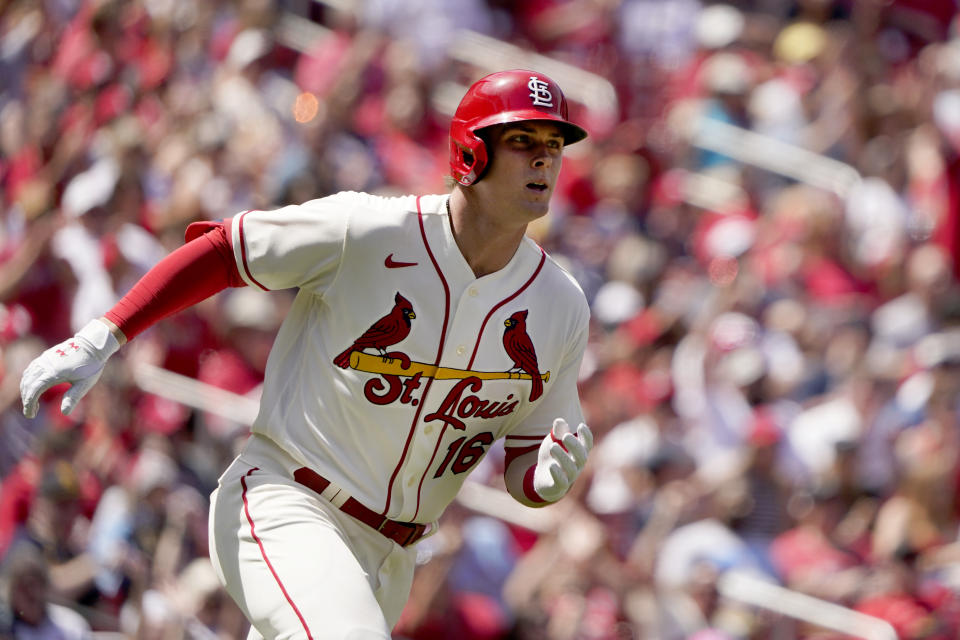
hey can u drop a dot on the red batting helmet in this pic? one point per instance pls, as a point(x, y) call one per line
point(505, 96)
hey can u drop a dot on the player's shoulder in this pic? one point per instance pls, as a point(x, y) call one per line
point(362, 203)
point(558, 278)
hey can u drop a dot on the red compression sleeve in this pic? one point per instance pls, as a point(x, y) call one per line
point(194, 272)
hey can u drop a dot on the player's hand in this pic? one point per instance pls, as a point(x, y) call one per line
point(560, 460)
point(78, 361)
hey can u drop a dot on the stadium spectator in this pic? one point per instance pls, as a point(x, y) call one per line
point(773, 328)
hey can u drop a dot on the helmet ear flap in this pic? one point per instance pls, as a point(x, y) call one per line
point(469, 158)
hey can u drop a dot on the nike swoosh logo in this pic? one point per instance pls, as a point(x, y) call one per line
point(390, 263)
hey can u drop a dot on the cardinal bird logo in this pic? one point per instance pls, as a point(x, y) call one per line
point(520, 349)
point(387, 331)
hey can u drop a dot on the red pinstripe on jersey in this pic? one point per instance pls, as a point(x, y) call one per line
point(483, 325)
point(536, 272)
point(243, 251)
point(263, 552)
point(429, 383)
point(433, 457)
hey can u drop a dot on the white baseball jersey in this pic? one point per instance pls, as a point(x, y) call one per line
point(390, 375)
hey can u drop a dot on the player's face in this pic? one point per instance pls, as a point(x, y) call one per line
point(523, 170)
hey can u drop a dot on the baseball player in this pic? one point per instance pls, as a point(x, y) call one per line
point(425, 328)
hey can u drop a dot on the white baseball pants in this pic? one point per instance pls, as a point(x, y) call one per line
point(296, 565)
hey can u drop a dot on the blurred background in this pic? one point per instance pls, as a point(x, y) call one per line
point(765, 220)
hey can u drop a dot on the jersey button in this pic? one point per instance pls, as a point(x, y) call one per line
point(411, 480)
point(472, 292)
point(461, 350)
point(428, 429)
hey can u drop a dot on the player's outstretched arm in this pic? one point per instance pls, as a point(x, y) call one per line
point(194, 272)
point(544, 475)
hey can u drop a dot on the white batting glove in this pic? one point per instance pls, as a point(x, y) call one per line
point(78, 360)
point(560, 460)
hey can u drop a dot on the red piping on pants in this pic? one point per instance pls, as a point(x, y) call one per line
point(246, 510)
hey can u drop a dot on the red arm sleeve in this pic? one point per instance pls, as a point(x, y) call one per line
point(194, 272)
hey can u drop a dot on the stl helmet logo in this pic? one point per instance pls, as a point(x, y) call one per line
point(540, 92)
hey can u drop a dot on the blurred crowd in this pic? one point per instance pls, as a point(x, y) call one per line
point(774, 368)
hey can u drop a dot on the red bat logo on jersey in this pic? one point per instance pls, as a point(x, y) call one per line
point(520, 349)
point(399, 378)
point(387, 331)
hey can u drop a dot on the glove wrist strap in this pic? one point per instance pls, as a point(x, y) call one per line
point(100, 338)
